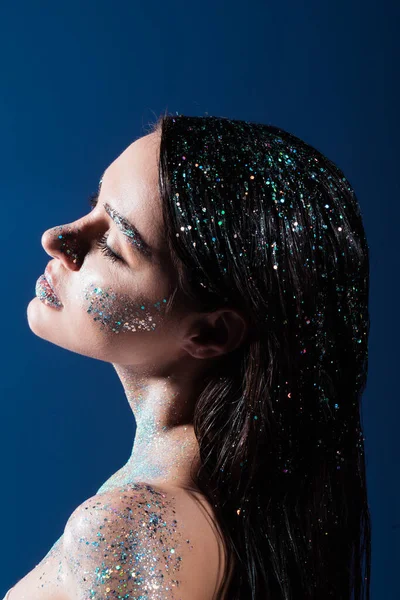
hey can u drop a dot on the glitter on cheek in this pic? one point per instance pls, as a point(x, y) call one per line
point(118, 312)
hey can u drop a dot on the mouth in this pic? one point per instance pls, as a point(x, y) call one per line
point(46, 294)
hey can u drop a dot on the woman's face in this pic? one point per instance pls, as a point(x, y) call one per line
point(113, 309)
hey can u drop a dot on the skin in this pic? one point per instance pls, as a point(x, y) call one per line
point(160, 359)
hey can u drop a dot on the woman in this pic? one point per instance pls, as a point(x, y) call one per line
point(224, 272)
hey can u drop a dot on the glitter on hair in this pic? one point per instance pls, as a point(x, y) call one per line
point(259, 221)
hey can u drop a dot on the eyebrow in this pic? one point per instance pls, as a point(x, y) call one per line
point(127, 228)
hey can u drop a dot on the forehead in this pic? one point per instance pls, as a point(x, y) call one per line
point(130, 183)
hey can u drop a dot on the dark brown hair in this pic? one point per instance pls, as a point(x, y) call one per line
point(257, 219)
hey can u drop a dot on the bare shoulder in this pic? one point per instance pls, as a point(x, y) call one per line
point(142, 539)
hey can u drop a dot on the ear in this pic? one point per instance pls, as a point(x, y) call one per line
point(215, 334)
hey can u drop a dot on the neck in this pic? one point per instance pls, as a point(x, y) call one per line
point(163, 456)
point(165, 449)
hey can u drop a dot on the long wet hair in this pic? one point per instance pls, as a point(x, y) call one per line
point(258, 220)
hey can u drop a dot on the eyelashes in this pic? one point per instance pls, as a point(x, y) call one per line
point(102, 244)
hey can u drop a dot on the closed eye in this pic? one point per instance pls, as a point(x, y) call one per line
point(102, 244)
point(136, 241)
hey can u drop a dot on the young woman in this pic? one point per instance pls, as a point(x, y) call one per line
point(223, 271)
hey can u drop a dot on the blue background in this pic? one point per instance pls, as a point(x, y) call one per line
point(79, 82)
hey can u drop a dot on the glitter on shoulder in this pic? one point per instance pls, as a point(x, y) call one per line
point(125, 544)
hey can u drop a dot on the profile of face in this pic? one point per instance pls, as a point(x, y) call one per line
point(111, 308)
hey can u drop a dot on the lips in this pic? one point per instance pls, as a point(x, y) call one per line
point(49, 278)
point(45, 292)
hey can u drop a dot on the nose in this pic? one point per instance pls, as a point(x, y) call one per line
point(64, 243)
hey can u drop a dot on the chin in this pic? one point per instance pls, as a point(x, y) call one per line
point(34, 316)
point(40, 318)
point(44, 322)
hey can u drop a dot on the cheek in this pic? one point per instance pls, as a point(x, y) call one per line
point(117, 313)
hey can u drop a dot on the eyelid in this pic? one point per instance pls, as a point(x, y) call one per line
point(119, 222)
point(102, 242)
point(127, 229)
point(107, 251)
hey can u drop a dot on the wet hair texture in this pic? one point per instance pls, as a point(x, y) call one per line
point(258, 220)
